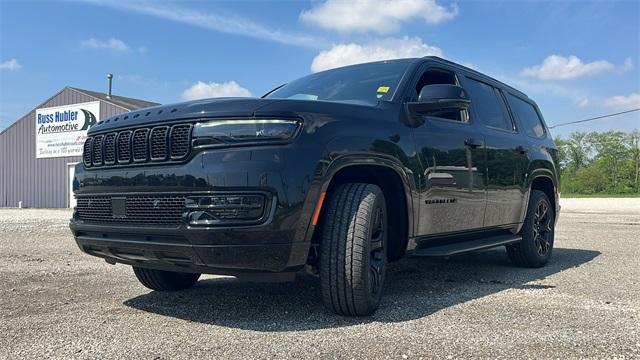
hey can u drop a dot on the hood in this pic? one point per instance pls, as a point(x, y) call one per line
point(207, 108)
point(237, 108)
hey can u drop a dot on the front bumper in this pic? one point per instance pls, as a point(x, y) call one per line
point(280, 243)
point(230, 251)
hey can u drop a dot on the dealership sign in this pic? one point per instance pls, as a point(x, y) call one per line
point(61, 131)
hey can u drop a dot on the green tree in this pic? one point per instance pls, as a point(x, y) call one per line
point(633, 139)
point(600, 162)
point(609, 147)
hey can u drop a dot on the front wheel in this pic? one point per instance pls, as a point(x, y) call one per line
point(353, 256)
point(537, 233)
point(161, 280)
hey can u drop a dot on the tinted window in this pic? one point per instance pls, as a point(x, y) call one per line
point(367, 83)
point(438, 76)
point(488, 105)
point(435, 76)
point(528, 116)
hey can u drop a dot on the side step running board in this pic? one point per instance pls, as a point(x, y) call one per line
point(466, 246)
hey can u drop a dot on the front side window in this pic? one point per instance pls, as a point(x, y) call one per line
point(364, 83)
point(528, 116)
point(488, 105)
point(439, 76)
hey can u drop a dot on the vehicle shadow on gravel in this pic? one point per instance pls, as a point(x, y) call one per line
point(415, 288)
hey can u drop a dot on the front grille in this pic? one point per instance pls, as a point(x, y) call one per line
point(138, 146)
point(139, 209)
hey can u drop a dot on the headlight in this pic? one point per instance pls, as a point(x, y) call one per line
point(228, 132)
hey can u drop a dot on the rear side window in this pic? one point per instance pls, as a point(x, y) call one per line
point(528, 117)
point(488, 105)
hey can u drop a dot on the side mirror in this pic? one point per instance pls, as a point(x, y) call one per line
point(440, 97)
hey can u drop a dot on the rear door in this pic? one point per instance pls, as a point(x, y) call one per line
point(451, 151)
point(506, 153)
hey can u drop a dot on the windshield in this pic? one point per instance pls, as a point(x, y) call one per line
point(367, 83)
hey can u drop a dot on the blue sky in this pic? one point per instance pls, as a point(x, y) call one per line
point(577, 59)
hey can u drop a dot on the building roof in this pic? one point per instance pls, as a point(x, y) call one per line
point(126, 103)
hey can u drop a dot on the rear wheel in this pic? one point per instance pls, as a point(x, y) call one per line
point(353, 257)
point(537, 233)
point(165, 280)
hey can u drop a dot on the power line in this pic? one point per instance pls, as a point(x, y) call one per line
point(594, 118)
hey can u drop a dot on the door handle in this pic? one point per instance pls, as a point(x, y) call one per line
point(473, 143)
point(521, 149)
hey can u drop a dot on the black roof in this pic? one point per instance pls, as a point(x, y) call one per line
point(475, 72)
point(126, 103)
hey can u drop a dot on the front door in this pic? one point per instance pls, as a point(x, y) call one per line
point(451, 152)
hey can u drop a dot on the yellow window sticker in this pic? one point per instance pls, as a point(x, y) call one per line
point(383, 89)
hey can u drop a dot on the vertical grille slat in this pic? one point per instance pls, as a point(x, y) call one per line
point(160, 143)
point(124, 147)
point(110, 149)
point(180, 141)
point(96, 148)
point(140, 145)
point(158, 140)
point(86, 152)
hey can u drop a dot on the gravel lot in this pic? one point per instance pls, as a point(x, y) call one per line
point(58, 303)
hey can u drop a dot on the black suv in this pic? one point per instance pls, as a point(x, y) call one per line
point(337, 173)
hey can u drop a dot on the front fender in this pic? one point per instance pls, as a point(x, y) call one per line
point(344, 152)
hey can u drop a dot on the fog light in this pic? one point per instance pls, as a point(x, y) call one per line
point(221, 209)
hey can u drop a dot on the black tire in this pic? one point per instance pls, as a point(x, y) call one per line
point(353, 248)
point(165, 280)
point(537, 233)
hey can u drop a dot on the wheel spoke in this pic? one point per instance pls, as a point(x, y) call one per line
point(377, 259)
point(543, 210)
point(548, 225)
point(542, 228)
point(375, 278)
point(377, 233)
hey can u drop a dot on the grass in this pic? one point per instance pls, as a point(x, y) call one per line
point(570, 196)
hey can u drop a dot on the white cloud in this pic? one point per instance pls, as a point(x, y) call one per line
point(142, 81)
point(627, 66)
point(11, 64)
point(385, 49)
point(112, 44)
point(583, 102)
point(621, 102)
point(543, 88)
point(381, 16)
point(557, 67)
point(210, 21)
point(202, 90)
